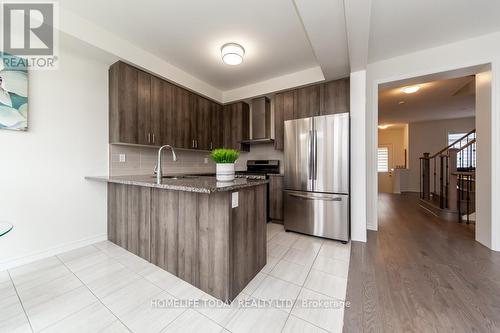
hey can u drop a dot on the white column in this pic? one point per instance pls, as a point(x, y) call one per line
point(358, 156)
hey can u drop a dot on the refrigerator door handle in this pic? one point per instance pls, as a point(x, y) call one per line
point(315, 155)
point(310, 153)
point(309, 197)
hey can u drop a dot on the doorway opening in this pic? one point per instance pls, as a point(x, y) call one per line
point(428, 144)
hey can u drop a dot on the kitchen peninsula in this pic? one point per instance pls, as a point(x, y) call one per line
point(210, 234)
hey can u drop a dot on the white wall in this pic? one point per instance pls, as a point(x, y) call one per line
point(431, 137)
point(472, 52)
point(43, 192)
point(486, 153)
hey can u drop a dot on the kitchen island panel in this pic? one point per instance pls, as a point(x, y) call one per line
point(129, 218)
point(164, 229)
point(198, 237)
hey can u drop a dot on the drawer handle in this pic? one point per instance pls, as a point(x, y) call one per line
point(306, 197)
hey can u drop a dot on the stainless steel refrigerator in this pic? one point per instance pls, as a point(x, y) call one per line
point(316, 195)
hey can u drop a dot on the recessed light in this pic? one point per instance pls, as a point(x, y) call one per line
point(384, 126)
point(401, 102)
point(232, 53)
point(410, 89)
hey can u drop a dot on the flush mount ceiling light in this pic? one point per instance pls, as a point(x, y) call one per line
point(410, 89)
point(232, 53)
point(384, 126)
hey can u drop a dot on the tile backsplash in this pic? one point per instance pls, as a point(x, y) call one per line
point(141, 160)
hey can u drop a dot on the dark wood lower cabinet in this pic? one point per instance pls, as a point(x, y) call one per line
point(197, 237)
point(276, 198)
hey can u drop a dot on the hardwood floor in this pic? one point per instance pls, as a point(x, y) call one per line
point(421, 274)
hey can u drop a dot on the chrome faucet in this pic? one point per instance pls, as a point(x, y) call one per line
point(158, 168)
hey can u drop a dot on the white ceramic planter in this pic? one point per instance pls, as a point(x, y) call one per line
point(225, 172)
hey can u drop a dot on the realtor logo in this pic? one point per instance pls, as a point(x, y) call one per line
point(29, 31)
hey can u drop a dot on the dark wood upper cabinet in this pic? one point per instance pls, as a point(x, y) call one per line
point(284, 109)
point(123, 95)
point(216, 126)
point(144, 109)
point(203, 119)
point(321, 99)
point(167, 114)
point(335, 97)
point(181, 118)
point(135, 106)
point(308, 102)
point(236, 125)
point(148, 110)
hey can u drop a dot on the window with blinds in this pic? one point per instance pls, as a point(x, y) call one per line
point(383, 159)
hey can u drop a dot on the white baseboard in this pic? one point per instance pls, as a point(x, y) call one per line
point(372, 227)
point(34, 256)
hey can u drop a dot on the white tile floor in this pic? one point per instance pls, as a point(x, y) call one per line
point(103, 288)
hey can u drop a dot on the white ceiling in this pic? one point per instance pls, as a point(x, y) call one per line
point(443, 99)
point(189, 33)
point(288, 43)
point(399, 27)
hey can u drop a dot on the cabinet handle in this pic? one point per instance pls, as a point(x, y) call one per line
point(196, 144)
point(192, 144)
point(153, 138)
point(149, 137)
point(211, 145)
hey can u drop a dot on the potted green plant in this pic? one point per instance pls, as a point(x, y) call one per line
point(224, 159)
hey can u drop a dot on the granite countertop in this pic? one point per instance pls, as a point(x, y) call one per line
point(187, 183)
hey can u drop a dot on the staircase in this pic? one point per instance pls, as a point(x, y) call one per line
point(448, 180)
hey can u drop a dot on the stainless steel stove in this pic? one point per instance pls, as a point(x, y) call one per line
point(260, 169)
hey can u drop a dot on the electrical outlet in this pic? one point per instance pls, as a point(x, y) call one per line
point(205, 160)
point(122, 158)
point(234, 199)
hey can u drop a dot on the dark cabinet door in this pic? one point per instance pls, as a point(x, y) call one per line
point(144, 134)
point(123, 103)
point(167, 124)
point(181, 115)
point(216, 126)
point(236, 125)
point(227, 120)
point(308, 102)
point(284, 109)
point(203, 117)
point(240, 125)
point(336, 97)
point(194, 102)
point(157, 110)
point(276, 197)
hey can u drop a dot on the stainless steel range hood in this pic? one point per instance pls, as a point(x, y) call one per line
point(261, 121)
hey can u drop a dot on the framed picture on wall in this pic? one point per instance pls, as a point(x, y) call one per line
point(13, 93)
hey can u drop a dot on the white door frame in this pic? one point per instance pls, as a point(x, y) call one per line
point(372, 131)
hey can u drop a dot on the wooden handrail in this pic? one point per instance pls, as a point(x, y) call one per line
point(451, 145)
point(471, 142)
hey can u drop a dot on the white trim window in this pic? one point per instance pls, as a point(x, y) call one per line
point(383, 159)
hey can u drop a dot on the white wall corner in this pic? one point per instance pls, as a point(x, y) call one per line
point(288, 81)
point(358, 155)
point(34, 256)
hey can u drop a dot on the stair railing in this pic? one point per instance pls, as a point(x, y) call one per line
point(442, 168)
